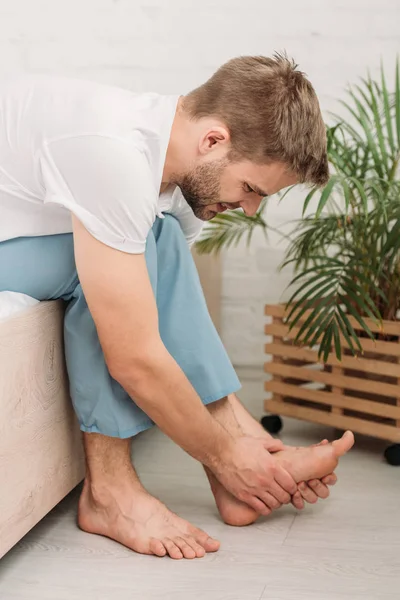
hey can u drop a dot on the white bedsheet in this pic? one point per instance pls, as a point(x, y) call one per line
point(12, 303)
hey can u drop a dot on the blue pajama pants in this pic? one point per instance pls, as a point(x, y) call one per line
point(44, 268)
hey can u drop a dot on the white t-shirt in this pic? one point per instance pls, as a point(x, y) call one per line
point(75, 146)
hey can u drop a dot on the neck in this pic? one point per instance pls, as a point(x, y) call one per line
point(178, 156)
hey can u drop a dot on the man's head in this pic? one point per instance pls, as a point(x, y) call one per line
point(253, 128)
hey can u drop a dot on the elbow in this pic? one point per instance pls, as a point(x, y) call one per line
point(128, 373)
point(134, 373)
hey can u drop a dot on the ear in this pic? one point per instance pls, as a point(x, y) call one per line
point(213, 139)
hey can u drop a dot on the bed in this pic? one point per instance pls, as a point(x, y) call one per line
point(41, 458)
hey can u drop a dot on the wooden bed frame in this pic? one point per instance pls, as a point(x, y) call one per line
point(41, 458)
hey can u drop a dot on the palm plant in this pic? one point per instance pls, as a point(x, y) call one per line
point(346, 255)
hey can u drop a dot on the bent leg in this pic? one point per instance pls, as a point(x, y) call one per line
point(44, 267)
point(41, 267)
point(185, 327)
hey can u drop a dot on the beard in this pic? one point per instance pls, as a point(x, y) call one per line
point(202, 187)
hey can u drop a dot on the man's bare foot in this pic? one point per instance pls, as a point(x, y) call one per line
point(313, 463)
point(236, 418)
point(233, 511)
point(131, 516)
point(304, 464)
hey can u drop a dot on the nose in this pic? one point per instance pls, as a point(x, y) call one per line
point(250, 207)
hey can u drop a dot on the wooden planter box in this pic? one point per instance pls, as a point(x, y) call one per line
point(359, 393)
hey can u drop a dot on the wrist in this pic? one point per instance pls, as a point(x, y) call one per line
point(221, 452)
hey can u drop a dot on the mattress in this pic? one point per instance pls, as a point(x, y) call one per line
point(12, 303)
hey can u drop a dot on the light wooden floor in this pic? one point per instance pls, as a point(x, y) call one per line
point(346, 548)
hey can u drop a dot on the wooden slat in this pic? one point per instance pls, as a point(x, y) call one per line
point(280, 329)
point(390, 327)
point(352, 383)
point(378, 430)
point(332, 399)
point(277, 359)
point(365, 365)
point(398, 397)
point(337, 390)
point(274, 310)
point(378, 346)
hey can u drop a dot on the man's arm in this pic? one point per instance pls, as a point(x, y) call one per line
point(120, 298)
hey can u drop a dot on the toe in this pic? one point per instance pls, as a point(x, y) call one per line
point(199, 550)
point(172, 549)
point(319, 488)
point(344, 444)
point(184, 547)
point(212, 545)
point(209, 544)
point(321, 443)
point(157, 547)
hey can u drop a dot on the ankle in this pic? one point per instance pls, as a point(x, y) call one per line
point(102, 489)
point(107, 458)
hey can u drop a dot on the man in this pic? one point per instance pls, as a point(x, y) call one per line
point(102, 192)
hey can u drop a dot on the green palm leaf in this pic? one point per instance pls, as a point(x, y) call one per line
point(228, 229)
point(397, 100)
point(388, 116)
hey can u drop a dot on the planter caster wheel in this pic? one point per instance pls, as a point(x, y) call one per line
point(272, 423)
point(392, 455)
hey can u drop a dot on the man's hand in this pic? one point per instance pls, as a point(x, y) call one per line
point(252, 475)
point(310, 491)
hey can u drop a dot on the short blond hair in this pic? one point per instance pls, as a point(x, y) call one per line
point(272, 113)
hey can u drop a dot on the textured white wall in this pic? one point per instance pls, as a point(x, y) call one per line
point(172, 46)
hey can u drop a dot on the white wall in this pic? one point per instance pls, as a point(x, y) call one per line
point(172, 46)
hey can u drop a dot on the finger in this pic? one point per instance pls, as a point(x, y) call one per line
point(257, 504)
point(285, 480)
point(307, 493)
point(269, 500)
point(330, 479)
point(298, 501)
point(279, 493)
point(320, 489)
